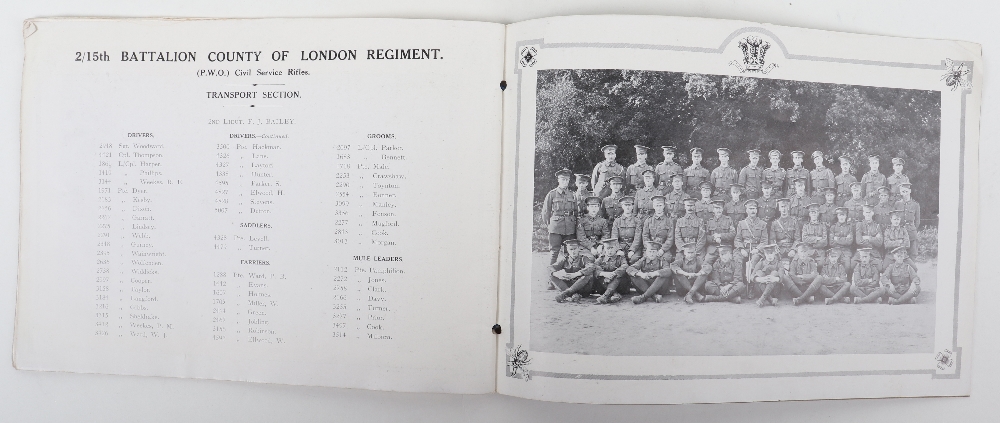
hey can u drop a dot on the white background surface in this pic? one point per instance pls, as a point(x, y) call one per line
point(33, 396)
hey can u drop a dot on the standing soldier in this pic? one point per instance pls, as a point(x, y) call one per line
point(675, 198)
point(868, 235)
point(644, 196)
point(785, 229)
point(572, 274)
point(695, 174)
point(775, 175)
point(752, 175)
point(797, 171)
point(821, 177)
point(766, 276)
point(844, 180)
point(582, 193)
point(668, 168)
point(609, 273)
point(855, 204)
point(831, 283)
point(627, 229)
point(736, 206)
point(901, 280)
point(723, 176)
point(768, 202)
point(719, 230)
point(751, 234)
point(605, 170)
point(814, 233)
point(703, 208)
point(725, 282)
point(865, 283)
point(910, 215)
point(690, 273)
point(592, 228)
point(650, 275)
point(896, 179)
point(872, 180)
point(828, 209)
point(690, 229)
point(801, 274)
point(610, 206)
point(799, 200)
point(559, 212)
point(895, 236)
point(883, 207)
point(634, 171)
point(842, 238)
point(659, 227)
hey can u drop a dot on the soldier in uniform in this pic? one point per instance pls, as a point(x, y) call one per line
point(725, 282)
point(821, 177)
point(690, 273)
point(690, 229)
point(842, 238)
point(695, 174)
point(627, 229)
point(868, 235)
point(801, 275)
point(766, 277)
point(797, 171)
point(609, 273)
point(768, 202)
point(736, 206)
point(815, 233)
point(634, 171)
point(896, 235)
point(865, 284)
point(719, 230)
point(828, 208)
point(883, 207)
point(609, 205)
point(896, 179)
point(668, 168)
point(844, 180)
point(559, 212)
point(724, 175)
point(605, 170)
point(855, 204)
point(751, 234)
point(799, 200)
point(901, 280)
point(644, 196)
point(592, 228)
point(703, 208)
point(650, 275)
point(833, 282)
point(910, 215)
point(675, 198)
point(775, 175)
point(785, 229)
point(659, 227)
point(752, 175)
point(872, 180)
point(572, 274)
point(582, 193)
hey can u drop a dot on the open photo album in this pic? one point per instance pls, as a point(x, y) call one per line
point(591, 209)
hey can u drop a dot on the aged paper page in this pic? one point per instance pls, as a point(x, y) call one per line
point(292, 201)
point(802, 212)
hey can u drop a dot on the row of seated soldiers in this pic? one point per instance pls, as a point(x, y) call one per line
point(655, 275)
point(752, 176)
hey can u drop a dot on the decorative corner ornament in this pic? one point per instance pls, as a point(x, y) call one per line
point(754, 50)
point(517, 362)
point(529, 56)
point(956, 76)
point(944, 359)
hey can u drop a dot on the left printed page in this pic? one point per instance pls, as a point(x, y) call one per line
point(301, 201)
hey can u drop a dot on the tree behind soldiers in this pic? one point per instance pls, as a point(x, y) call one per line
point(650, 275)
point(901, 280)
point(910, 215)
point(633, 174)
point(766, 277)
point(609, 205)
point(609, 273)
point(775, 175)
point(627, 229)
point(644, 196)
point(667, 168)
point(605, 170)
point(720, 230)
point(896, 179)
point(690, 273)
point(821, 177)
point(725, 282)
point(752, 175)
point(865, 284)
point(872, 180)
point(572, 274)
point(592, 228)
point(695, 174)
point(785, 229)
point(797, 171)
point(844, 180)
point(722, 176)
point(559, 212)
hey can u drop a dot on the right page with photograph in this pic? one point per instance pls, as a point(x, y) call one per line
point(701, 211)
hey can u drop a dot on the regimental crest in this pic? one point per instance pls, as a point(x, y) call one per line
point(529, 56)
point(517, 363)
point(957, 75)
point(944, 359)
point(754, 50)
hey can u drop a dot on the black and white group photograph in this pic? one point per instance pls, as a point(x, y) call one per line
point(683, 214)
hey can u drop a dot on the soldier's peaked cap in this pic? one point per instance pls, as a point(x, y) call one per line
point(653, 245)
point(718, 202)
point(627, 199)
point(774, 152)
point(898, 160)
point(609, 240)
point(722, 150)
point(705, 184)
point(753, 151)
point(769, 247)
point(640, 147)
point(785, 200)
point(905, 185)
point(618, 179)
point(751, 202)
point(817, 153)
point(898, 249)
point(865, 250)
point(688, 245)
point(649, 171)
point(696, 150)
point(841, 210)
point(813, 205)
point(571, 241)
point(582, 176)
point(593, 199)
point(797, 152)
point(609, 147)
point(669, 148)
point(658, 197)
point(691, 200)
point(564, 172)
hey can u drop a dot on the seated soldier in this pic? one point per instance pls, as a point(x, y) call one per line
point(644, 196)
point(650, 275)
point(865, 284)
point(842, 237)
point(832, 283)
point(610, 206)
point(689, 228)
point(609, 273)
point(736, 206)
point(896, 235)
point(660, 226)
point(868, 234)
point(785, 229)
point(766, 275)
point(815, 233)
point(703, 208)
point(883, 207)
point(751, 233)
point(901, 280)
point(828, 209)
point(855, 203)
point(674, 200)
point(725, 282)
point(690, 273)
point(592, 228)
point(800, 200)
point(573, 273)
point(802, 274)
point(627, 229)
point(719, 230)
point(768, 203)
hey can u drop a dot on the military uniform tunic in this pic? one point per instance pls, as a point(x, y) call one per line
point(776, 176)
point(691, 265)
point(910, 219)
point(842, 238)
point(659, 229)
point(604, 171)
point(573, 265)
point(750, 178)
point(722, 178)
point(844, 181)
point(785, 233)
point(871, 230)
point(901, 275)
point(611, 207)
point(799, 207)
point(581, 201)
point(591, 230)
point(870, 183)
point(703, 209)
point(633, 179)
point(882, 211)
point(694, 175)
point(659, 266)
point(828, 213)
point(722, 226)
point(665, 171)
point(855, 209)
point(895, 236)
point(834, 275)
point(689, 229)
point(736, 209)
point(894, 181)
point(803, 268)
point(866, 277)
point(821, 177)
point(616, 264)
point(674, 203)
point(644, 202)
point(751, 233)
point(724, 273)
point(767, 208)
point(628, 231)
point(815, 234)
point(796, 173)
point(559, 210)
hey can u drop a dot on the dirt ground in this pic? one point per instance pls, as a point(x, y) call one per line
point(674, 328)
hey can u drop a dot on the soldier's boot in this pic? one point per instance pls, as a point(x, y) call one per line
point(738, 300)
point(712, 298)
point(561, 297)
point(657, 298)
point(696, 296)
point(639, 299)
point(576, 298)
point(603, 299)
point(616, 297)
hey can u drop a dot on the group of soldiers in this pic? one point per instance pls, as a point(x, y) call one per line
point(726, 235)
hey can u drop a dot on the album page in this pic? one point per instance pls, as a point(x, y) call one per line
point(700, 211)
point(297, 201)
